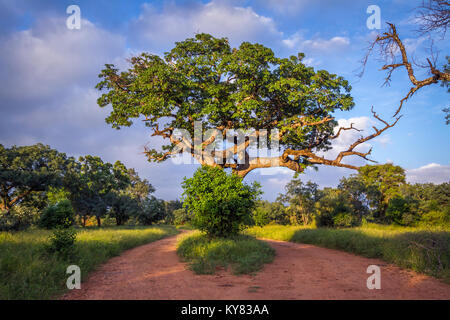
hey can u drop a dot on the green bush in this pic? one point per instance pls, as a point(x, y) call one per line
point(62, 242)
point(60, 214)
point(221, 203)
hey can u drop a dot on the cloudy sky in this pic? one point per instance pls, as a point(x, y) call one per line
point(48, 74)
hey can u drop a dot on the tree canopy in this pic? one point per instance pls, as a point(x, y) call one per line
point(28, 169)
point(204, 79)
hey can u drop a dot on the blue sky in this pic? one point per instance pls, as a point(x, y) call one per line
point(48, 74)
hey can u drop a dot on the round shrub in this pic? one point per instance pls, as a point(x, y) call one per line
point(220, 203)
point(60, 214)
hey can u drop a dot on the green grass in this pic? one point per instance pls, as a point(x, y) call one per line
point(242, 254)
point(425, 250)
point(27, 271)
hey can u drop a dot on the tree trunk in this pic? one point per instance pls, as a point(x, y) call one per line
point(99, 222)
point(83, 219)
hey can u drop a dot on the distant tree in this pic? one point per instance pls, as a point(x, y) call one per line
point(171, 206)
point(267, 212)
point(204, 79)
point(334, 209)
point(122, 206)
point(27, 170)
point(301, 198)
point(90, 190)
point(358, 193)
point(139, 188)
point(383, 183)
point(152, 210)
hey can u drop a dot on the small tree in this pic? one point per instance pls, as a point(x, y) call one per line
point(221, 203)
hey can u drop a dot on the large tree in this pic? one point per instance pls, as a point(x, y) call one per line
point(27, 170)
point(204, 79)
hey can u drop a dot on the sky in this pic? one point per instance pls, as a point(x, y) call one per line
point(48, 74)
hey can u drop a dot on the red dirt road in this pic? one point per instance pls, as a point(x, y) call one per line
point(299, 271)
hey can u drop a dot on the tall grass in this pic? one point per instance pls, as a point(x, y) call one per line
point(242, 254)
point(425, 250)
point(27, 271)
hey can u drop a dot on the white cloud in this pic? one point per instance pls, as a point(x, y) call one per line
point(41, 62)
point(317, 45)
point(159, 29)
point(432, 172)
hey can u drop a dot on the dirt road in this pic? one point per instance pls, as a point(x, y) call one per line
point(299, 271)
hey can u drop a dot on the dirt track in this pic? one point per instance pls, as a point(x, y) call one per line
point(299, 271)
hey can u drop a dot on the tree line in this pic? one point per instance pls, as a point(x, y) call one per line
point(40, 185)
point(377, 193)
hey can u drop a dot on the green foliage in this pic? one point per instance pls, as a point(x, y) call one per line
point(424, 250)
point(170, 207)
point(334, 209)
point(62, 242)
point(382, 183)
point(55, 195)
point(18, 218)
point(243, 254)
point(267, 212)
point(60, 214)
point(203, 78)
point(152, 210)
point(181, 216)
point(301, 198)
point(221, 203)
point(122, 206)
point(27, 170)
point(92, 184)
point(399, 211)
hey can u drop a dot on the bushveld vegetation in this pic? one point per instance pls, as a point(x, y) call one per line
point(41, 186)
point(28, 270)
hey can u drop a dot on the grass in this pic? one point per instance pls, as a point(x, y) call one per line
point(27, 271)
point(242, 254)
point(425, 250)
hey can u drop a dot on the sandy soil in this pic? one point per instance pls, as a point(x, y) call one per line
point(299, 271)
